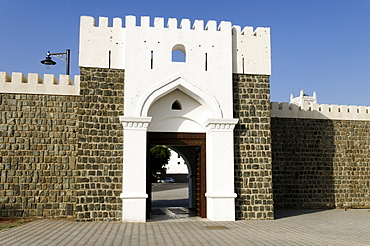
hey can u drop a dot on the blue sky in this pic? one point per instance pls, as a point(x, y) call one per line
point(317, 45)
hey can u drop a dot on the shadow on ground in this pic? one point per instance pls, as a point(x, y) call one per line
point(170, 203)
point(281, 214)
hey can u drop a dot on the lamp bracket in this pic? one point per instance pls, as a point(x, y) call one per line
point(62, 56)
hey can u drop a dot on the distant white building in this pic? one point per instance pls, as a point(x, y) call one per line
point(303, 98)
point(176, 164)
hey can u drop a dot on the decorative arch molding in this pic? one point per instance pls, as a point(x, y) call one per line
point(176, 125)
point(179, 82)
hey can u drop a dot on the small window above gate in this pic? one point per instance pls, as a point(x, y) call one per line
point(176, 105)
point(178, 53)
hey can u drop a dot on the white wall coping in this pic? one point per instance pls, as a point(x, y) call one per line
point(158, 22)
point(34, 84)
point(320, 111)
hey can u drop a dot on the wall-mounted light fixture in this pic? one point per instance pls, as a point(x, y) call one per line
point(48, 62)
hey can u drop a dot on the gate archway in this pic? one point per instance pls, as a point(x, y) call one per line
point(176, 107)
point(198, 187)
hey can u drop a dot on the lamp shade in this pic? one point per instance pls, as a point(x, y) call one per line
point(48, 61)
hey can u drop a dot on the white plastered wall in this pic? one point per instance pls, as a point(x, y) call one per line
point(102, 45)
point(143, 40)
point(251, 50)
point(189, 118)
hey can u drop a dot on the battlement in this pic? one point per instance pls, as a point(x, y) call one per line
point(251, 50)
point(320, 111)
point(158, 22)
point(259, 32)
point(34, 84)
point(108, 43)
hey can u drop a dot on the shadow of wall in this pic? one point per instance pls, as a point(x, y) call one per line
point(320, 163)
point(302, 154)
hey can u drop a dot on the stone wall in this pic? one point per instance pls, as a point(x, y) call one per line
point(38, 150)
point(100, 145)
point(62, 155)
point(253, 170)
point(320, 163)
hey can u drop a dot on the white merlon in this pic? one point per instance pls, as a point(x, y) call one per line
point(248, 50)
point(320, 111)
point(34, 84)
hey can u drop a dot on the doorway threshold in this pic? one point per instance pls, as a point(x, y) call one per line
point(173, 214)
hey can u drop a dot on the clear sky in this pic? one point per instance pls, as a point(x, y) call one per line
point(317, 45)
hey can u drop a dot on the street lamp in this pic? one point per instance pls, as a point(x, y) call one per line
point(63, 56)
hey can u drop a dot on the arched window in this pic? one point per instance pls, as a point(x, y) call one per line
point(178, 53)
point(176, 105)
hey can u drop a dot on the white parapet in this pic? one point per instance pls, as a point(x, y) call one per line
point(251, 50)
point(105, 45)
point(34, 84)
point(320, 111)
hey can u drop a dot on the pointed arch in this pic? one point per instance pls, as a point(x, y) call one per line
point(178, 82)
point(176, 105)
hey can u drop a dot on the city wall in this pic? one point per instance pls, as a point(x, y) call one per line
point(61, 155)
point(320, 156)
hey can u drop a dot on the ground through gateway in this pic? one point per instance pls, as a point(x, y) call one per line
point(192, 146)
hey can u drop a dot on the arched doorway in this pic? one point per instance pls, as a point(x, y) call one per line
point(178, 109)
point(194, 142)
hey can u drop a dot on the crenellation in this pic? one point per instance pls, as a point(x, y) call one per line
point(251, 50)
point(19, 83)
point(117, 22)
point(18, 78)
point(236, 29)
point(211, 25)
point(145, 21)
point(130, 21)
point(261, 32)
point(172, 23)
point(198, 25)
point(103, 21)
point(185, 24)
point(320, 111)
point(159, 22)
point(35, 78)
point(87, 21)
point(247, 31)
point(225, 26)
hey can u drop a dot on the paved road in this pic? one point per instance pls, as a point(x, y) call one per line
point(170, 195)
point(166, 186)
point(330, 227)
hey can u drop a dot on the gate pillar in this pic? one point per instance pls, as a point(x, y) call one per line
point(134, 168)
point(220, 169)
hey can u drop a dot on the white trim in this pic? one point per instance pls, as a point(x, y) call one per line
point(178, 81)
point(221, 195)
point(133, 195)
point(221, 124)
